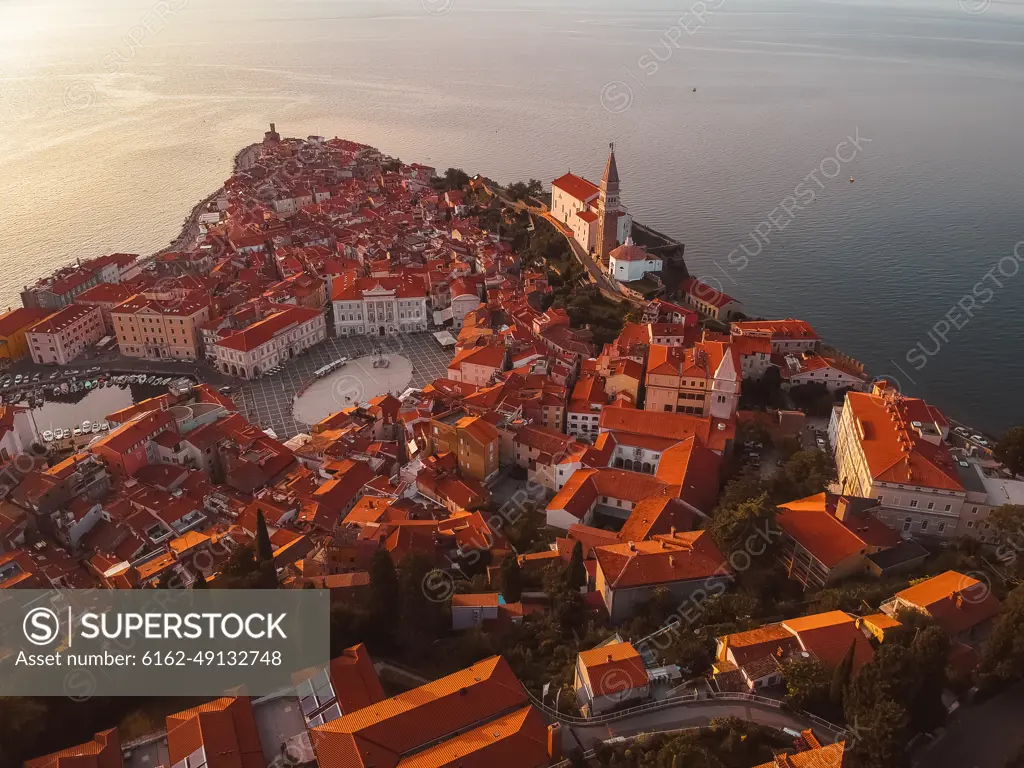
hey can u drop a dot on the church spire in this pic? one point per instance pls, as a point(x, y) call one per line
point(611, 171)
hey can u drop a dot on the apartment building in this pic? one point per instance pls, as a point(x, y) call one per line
point(284, 333)
point(65, 335)
point(161, 328)
point(702, 380)
point(892, 448)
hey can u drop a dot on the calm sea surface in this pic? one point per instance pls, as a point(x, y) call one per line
point(116, 116)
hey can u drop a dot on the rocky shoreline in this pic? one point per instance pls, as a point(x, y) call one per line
point(190, 227)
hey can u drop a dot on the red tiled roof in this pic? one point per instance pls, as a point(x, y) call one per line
point(517, 739)
point(576, 186)
point(348, 287)
point(631, 252)
point(188, 305)
point(777, 329)
point(829, 635)
point(830, 756)
point(379, 735)
point(709, 295)
point(258, 334)
point(225, 728)
point(956, 601)
point(666, 559)
point(894, 451)
point(354, 680)
point(104, 751)
point(811, 522)
point(61, 320)
point(614, 669)
point(677, 426)
point(20, 318)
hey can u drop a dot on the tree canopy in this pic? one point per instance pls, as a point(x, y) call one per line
point(455, 178)
point(1010, 450)
point(1002, 662)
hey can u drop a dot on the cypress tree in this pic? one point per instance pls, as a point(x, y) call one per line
point(264, 550)
point(511, 579)
point(577, 570)
point(841, 677)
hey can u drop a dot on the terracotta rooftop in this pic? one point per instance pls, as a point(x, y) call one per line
point(381, 734)
point(578, 187)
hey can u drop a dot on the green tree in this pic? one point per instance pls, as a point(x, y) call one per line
point(929, 654)
point(906, 676)
point(1007, 523)
point(805, 473)
point(200, 581)
point(841, 678)
point(880, 736)
point(577, 576)
point(511, 579)
point(22, 720)
point(730, 526)
point(1002, 662)
point(743, 487)
point(264, 549)
point(385, 598)
point(424, 611)
point(456, 178)
point(807, 683)
point(570, 611)
point(1009, 451)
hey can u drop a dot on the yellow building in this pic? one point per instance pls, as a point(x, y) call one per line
point(161, 328)
point(13, 325)
point(471, 439)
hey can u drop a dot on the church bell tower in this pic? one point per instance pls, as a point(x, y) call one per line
point(608, 209)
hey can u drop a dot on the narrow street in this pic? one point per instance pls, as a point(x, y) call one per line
point(690, 716)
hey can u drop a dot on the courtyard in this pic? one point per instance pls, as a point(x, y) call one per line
point(270, 402)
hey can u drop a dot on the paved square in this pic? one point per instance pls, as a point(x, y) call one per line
point(355, 382)
point(268, 402)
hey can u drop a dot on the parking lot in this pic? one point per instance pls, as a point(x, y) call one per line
point(268, 401)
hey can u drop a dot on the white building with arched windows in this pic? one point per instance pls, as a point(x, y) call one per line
point(381, 306)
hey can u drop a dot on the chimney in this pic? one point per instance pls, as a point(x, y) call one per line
point(273, 128)
point(672, 531)
point(959, 600)
point(609, 658)
point(632, 547)
point(555, 742)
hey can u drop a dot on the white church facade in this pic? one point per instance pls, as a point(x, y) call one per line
point(578, 204)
